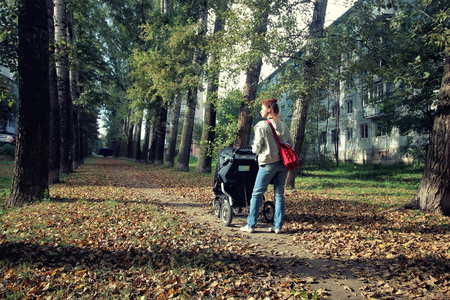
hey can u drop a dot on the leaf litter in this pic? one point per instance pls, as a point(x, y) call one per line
point(101, 236)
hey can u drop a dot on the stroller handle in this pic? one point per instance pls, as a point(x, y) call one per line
point(244, 150)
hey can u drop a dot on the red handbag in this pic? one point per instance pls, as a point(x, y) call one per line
point(288, 156)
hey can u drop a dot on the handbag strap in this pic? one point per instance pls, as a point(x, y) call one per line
point(274, 133)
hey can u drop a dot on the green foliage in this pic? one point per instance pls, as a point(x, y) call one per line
point(163, 71)
point(416, 149)
point(9, 37)
point(227, 117)
point(8, 99)
point(8, 150)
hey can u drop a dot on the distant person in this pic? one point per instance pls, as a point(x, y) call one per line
point(271, 168)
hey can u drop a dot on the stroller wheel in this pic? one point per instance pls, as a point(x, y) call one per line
point(216, 207)
point(269, 211)
point(226, 214)
point(237, 210)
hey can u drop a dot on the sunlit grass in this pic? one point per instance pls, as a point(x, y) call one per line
point(366, 183)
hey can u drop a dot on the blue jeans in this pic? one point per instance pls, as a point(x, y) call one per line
point(277, 173)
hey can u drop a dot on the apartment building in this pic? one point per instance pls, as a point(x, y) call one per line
point(350, 131)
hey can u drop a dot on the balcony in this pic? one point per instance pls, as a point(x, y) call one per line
point(371, 111)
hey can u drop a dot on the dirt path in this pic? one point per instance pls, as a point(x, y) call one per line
point(330, 278)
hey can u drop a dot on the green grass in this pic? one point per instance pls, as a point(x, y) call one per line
point(6, 169)
point(393, 184)
point(388, 184)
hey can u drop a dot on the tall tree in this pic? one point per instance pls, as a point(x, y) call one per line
point(54, 125)
point(62, 71)
point(198, 61)
point(136, 155)
point(261, 16)
point(30, 175)
point(173, 134)
point(74, 83)
point(434, 190)
point(308, 76)
point(209, 119)
point(161, 134)
point(147, 128)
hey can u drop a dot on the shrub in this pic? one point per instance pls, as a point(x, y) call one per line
point(8, 150)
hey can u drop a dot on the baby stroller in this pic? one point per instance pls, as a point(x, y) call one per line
point(234, 180)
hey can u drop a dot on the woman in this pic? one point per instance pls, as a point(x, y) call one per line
point(271, 168)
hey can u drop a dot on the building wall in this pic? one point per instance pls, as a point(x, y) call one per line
point(359, 139)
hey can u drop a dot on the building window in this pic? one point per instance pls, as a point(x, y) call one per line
point(378, 91)
point(375, 94)
point(323, 137)
point(334, 136)
point(364, 98)
point(349, 104)
point(364, 131)
point(349, 134)
point(334, 112)
point(380, 131)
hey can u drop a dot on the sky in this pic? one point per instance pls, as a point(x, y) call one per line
point(335, 8)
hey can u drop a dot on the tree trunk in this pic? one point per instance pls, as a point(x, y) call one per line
point(30, 176)
point(161, 136)
point(308, 77)
point(165, 8)
point(65, 102)
point(245, 118)
point(54, 125)
point(130, 132)
point(188, 127)
point(209, 120)
point(74, 91)
point(337, 126)
point(75, 138)
point(137, 141)
point(434, 190)
point(173, 135)
point(153, 139)
point(144, 156)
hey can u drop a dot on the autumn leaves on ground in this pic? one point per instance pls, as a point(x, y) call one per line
point(102, 236)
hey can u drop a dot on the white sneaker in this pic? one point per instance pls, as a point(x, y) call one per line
point(276, 230)
point(246, 228)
